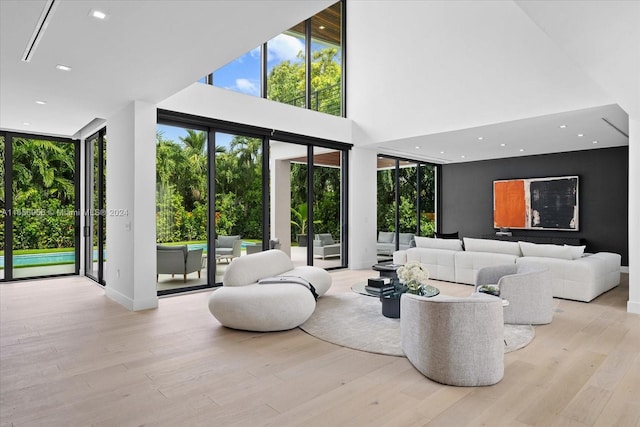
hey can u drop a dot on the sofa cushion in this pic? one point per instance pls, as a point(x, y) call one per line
point(467, 264)
point(545, 250)
point(386, 236)
point(446, 235)
point(495, 246)
point(226, 241)
point(174, 248)
point(429, 242)
point(325, 238)
point(406, 238)
point(576, 251)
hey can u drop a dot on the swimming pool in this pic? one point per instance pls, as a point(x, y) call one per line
point(69, 257)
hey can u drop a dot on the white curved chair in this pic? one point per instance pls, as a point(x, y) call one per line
point(454, 341)
point(243, 303)
point(527, 287)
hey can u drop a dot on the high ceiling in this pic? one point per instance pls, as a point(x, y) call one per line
point(150, 50)
point(144, 50)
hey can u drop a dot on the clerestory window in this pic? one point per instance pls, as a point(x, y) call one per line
point(303, 66)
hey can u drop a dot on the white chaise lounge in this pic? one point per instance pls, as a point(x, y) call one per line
point(243, 303)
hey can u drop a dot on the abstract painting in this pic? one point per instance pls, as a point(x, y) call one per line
point(536, 203)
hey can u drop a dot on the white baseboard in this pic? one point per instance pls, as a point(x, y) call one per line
point(633, 307)
point(128, 303)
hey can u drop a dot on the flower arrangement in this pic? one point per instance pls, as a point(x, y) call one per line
point(414, 276)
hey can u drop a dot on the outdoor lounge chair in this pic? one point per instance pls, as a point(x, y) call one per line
point(228, 247)
point(324, 246)
point(178, 260)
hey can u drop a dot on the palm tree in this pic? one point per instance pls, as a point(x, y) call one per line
point(46, 165)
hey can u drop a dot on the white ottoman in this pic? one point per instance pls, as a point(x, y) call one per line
point(262, 308)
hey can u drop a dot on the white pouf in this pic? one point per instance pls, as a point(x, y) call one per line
point(262, 308)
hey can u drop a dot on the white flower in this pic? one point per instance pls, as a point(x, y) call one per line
point(413, 271)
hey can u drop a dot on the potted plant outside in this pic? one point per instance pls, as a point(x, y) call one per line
point(299, 219)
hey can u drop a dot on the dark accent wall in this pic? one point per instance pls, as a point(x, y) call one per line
point(467, 195)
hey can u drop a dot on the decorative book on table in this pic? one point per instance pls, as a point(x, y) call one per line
point(380, 282)
point(386, 290)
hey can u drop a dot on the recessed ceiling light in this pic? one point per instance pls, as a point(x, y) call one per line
point(442, 152)
point(41, 102)
point(417, 147)
point(462, 156)
point(563, 126)
point(522, 149)
point(480, 138)
point(98, 14)
point(594, 142)
point(322, 27)
point(63, 67)
point(503, 145)
point(26, 124)
point(580, 135)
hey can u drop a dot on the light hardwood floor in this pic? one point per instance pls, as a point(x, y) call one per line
point(72, 357)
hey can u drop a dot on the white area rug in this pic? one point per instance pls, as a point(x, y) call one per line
point(356, 321)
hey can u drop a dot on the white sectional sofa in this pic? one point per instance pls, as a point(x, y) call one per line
point(575, 275)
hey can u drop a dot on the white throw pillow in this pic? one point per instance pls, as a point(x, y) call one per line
point(431, 243)
point(547, 251)
point(576, 251)
point(494, 246)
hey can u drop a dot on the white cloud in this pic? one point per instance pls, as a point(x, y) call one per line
point(248, 87)
point(284, 47)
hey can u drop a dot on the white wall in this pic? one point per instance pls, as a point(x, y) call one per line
point(362, 208)
point(222, 104)
point(439, 66)
point(280, 204)
point(633, 305)
point(130, 215)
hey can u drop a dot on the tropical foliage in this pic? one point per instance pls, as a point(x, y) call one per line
point(43, 209)
point(408, 178)
point(182, 167)
point(286, 82)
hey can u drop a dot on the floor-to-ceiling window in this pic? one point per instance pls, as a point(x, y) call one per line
point(239, 209)
point(308, 186)
point(406, 203)
point(40, 208)
point(2, 206)
point(95, 225)
point(256, 181)
point(181, 206)
point(326, 61)
point(328, 242)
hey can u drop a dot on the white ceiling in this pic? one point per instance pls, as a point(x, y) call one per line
point(145, 50)
point(468, 69)
point(150, 50)
point(525, 137)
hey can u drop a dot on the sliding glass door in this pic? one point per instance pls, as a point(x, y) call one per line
point(328, 218)
point(3, 206)
point(182, 203)
point(238, 198)
point(95, 207)
point(39, 206)
point(406, 204)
